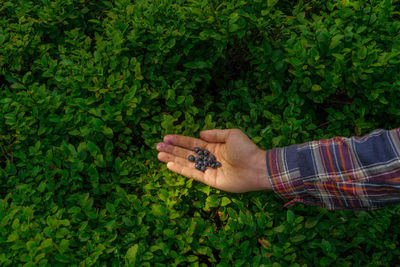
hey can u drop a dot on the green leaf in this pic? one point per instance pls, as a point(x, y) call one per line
point(335, 41)
point(298, 238)
point(212, 201)
point(130, 9)
point(225, 201)
point(310, 223)
point(257, 139)
point(264, 243)
point(63, 258)
point(196, 65)
point(82, 147)
point(5, 100)
point(130, 256)
point(46, 243)
point(280, 228)
point(233, 27)
point(290, 217)
point(37, 145)
point(233, 18)
point(362, 53)
point(192, 258)
point(316, 87)
point(74, 132)
point(93, 149)
point(108, 132)
point(326, 245)
point(171, 43)
point(180, 99)
point(12, 237)
point(272, 3)
point(99, 161)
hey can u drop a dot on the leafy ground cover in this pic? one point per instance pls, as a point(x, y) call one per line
point(87, 88)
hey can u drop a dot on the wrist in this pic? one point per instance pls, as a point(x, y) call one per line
point(260, 168)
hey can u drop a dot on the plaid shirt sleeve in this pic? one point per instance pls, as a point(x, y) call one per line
point(358, 173)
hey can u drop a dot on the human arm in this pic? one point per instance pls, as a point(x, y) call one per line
point(356, 173)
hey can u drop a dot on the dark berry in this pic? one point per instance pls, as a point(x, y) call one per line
point(200, 153)
point(212, 158)
point(191, 158)
point(196, 149)
point(206, 152)
point(213, 165)
point(203, 168)
point(197, 160)
point(218, 164)
point(197, 166)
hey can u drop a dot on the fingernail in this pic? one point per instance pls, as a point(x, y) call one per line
point(168, 139)
point(161, 145)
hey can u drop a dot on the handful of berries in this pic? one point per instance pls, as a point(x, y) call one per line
point(204, 160)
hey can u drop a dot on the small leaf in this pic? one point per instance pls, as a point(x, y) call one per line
point(298, 238)
point(233, 27)
point(325, 245)
point(74, 132)
point(316, 87)
point(12, 237)
point(264, 243)
point(93, 149)
point(335, 41)
point(5, 100)
point(63, 258)
point(130, 256)
point(311, 223)
point(129, 9)
point(362, 52)
point(107, 132)
point(225, 201)
point(280, 228)
point(46, 243)
point(271, 3)
point(290, 216)
point(196, 65)
point(171, 43)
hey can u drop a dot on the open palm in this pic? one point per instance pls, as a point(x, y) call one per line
point(242, 168)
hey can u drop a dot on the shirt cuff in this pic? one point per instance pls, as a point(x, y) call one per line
point(284, 174)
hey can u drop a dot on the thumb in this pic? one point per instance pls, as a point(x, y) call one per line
point(216, 135)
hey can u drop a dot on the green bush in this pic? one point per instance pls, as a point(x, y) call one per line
point(87, 88)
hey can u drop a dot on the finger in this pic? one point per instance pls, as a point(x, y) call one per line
point(186, 171)
point(175, 150)
point(179, 151)
point(185, 141)
point(167, 157)
point(215, 136)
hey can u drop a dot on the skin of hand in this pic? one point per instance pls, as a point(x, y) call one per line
point(243, 166)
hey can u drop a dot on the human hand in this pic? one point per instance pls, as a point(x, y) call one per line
point(243, 167)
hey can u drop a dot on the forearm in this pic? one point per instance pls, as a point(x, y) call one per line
point(339, 173)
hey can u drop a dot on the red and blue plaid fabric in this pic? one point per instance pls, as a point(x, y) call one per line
point(358, 173)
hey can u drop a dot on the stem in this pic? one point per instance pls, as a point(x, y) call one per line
point(4, 153)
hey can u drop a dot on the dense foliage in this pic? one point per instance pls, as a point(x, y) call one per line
point(87, 88)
